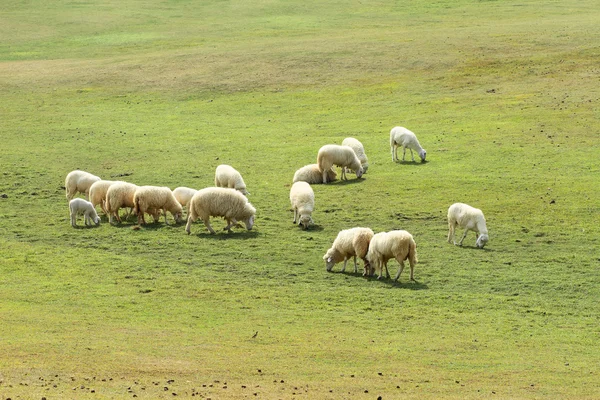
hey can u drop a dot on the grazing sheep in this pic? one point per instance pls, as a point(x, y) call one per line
point(469, 218)
point(394, 244)
point(97, 193)
point(79, 182)
point(228, 177)
point(81, 206)
point(220, 202)
point(302, 198)
point(312, 174)
point(342, 156)
point(119, 194)
point(352, 242)
point(184, 195)
point(148, 198)
point(400, 136)
point(359, 150)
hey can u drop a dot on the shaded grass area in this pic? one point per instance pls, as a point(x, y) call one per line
point(502, 95)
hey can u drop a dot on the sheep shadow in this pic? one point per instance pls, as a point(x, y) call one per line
point(312, 228)
point(245, 235)
point(412, 163)
point(86, 226)
point(351, 181)
point(415, 285)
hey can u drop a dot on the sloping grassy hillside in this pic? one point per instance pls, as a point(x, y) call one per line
point(503, 95)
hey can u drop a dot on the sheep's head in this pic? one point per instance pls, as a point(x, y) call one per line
point(365, 168)
point(96, 219)
point(359, 172)
point(329, 259)
point(178, 216)
point(305, 221)
point(422, 154)
point(482, 240)
point(249, 222)
point(243, 191)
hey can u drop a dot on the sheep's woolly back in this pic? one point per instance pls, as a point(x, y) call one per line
point(228, 177)
point(155, 197)
point(312, 174)
point(342, 156)
point(98, 191)
point(120, 194)
point(79, 182)
point(467, 217)
point(359, 150)
point(397, 244)
point(350, 242)
point(403, 137)
point(220, 202)
point(302, 198)
point(184, 194)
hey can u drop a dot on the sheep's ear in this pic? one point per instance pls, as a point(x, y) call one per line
point(329, 259)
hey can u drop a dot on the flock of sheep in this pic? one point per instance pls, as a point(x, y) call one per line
point(228, 199)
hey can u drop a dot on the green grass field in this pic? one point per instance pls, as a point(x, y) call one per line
point(504, 96)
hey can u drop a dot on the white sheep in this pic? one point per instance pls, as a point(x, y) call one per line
point(396, 244)
point(342, 156)
point(184, 194)
point(228, 177)
point(97, 193)
point(469, 218)
point(302, 198)
point(147, 199)
point(119, 194)
point(79, 182)
point(400, 136)
point(352, 242)
point(80, 206)
point(359, 150)
point(312, 174)
point(220, 202)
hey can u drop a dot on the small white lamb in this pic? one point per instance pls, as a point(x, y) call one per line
point(352, 242)
point(149, 198)
point(79, 182)
point(312, 174)
point(220, 202)
point(342, 156)
point(228, 177)
point(80, 206)
point(400, 136)
point(302, 198)
point(397, 244)
point(469, 218)
point(119, 194)
point(359, 150)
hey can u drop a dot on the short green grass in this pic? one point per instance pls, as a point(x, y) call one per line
point(503, 95)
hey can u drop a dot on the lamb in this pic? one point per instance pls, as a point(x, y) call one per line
point(97, 193)
point(400, 136)
point(302, 198)
point(146, 199)
point(228, 177)
point(80, 206)
point(79, 182)
point(359, 150)
point(352, 242)
point(220, 202)
point(469, 218)
point(396, 244)
point(312, 174)
point(184, 195)
point(342, 156)
point(119, 194)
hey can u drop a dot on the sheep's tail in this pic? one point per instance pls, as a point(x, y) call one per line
point(412, 252)
point(136, 205)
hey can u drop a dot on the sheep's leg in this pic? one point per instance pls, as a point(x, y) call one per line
point(355, 266)
point(86, 219)
point(324, 178)
point(412, 155)
point(400, 270)
point(188, 225)
point(463, 237)
point(344, 267)
point(232, 222)
point(451, 226)
point(381, 265)
point(207, 223)
point(394, 152)
point(73, 219)
point(165, 213)
point(295, 214)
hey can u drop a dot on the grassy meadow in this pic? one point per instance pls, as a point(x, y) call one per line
point(503, 95)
